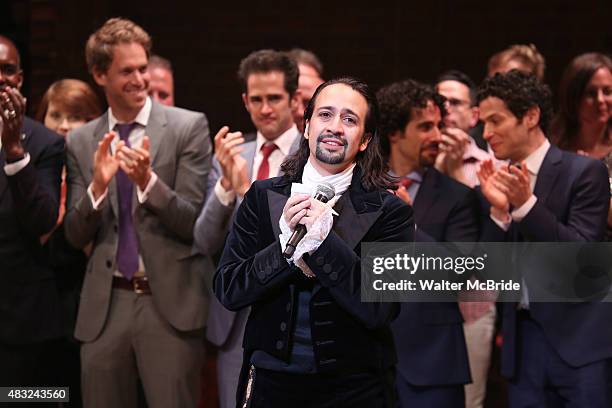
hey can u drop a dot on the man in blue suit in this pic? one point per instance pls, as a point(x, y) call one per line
point(432, 357)
point(555, 354)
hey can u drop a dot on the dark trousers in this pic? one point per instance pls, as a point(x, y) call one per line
point(30, 365)
point(442, 396)
point(271, 389)
point(543, 379)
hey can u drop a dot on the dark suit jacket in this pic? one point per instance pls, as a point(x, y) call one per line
point(573, 197)
point(210, 232)
point(29, 202)
point(253, 272)
point(429, 336)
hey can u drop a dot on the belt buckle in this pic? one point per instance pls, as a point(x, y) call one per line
point(136, 284)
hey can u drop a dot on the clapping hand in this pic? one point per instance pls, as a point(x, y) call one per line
point(105, 164)
point(136, 163)
point(12, 110)
point(493, 190)
point(228, 146)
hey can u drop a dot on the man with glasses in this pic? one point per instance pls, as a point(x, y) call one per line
point(460, 159)
point(460, 153)
point(311, 76)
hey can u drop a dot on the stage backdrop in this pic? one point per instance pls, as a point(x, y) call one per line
point(378, 41)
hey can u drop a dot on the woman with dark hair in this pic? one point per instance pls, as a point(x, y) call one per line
point(67, 104)
point(583, 123)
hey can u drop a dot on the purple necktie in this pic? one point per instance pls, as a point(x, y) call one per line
point(127, 248)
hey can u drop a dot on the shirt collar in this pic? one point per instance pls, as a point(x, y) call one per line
point(142, 118)
point(341, 181)
point(415, 176)
point(536, 158)
point(284, 141)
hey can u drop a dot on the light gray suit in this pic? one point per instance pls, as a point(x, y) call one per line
point(179, 278)
point(224, 328)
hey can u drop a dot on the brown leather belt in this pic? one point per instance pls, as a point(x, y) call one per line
point(136, 285)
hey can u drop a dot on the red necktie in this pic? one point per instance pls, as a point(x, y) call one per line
point(264, 168)
point(405, 182)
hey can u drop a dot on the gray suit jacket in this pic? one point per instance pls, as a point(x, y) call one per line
point(210, 232)
point(180, 279)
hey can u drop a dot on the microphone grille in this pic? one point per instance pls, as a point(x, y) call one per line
point(326, 190)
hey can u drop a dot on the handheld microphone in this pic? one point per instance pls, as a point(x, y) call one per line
point(323, 193)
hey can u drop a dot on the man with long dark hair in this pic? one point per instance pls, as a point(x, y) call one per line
point(309, 340)
point(269, 80)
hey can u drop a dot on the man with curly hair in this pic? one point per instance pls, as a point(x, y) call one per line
point(553, 353)
point(432, 356)
point(461, 161)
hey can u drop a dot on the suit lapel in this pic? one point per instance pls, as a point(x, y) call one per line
point(249, 155)
point(251, 144)
point(155, 131)
point(427, 196)
point(276, 203)
point(358, 210)
point(350, 225)
point(101, 130)
point(295, 146)
point(548, 174)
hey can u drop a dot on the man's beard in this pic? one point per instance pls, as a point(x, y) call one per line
point(427, 160)
point(328, 157)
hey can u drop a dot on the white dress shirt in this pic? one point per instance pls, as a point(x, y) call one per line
point(135, 138)
point(13, 168)
point(276, 158)
point(534, 163)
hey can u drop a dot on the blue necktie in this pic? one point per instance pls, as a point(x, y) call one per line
point(127, 249)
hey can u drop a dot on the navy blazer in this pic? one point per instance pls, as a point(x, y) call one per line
point(573, 196)
point(29, 205)
point(347, 334)
point(429, 336)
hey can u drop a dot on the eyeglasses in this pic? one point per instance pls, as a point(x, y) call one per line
point(9, 69)
point(456, 103)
